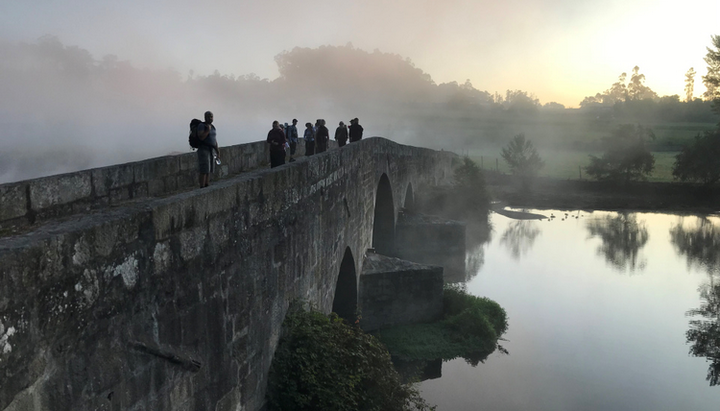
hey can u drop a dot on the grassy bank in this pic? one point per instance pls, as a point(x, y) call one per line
point(470, 328)
point(570, 165)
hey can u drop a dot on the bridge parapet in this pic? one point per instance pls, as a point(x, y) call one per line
point(30, 201)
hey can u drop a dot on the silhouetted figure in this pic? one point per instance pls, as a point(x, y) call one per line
point(208, 142)
point(356, 130)
point(341, 134)
point(277, 141)
point(309, 137)
point(291, 133)
point(322, 136)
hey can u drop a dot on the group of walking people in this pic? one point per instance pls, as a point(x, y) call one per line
point(316, 138)
point(281, 137)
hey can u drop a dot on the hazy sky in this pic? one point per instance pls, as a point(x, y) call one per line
point(560, 50)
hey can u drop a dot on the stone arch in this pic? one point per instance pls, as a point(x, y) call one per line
point(383, 240)
point(345, 299)
point(409, 198)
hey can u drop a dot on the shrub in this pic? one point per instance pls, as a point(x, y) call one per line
point(698, 161)
point(322, 363)
point(627, 155)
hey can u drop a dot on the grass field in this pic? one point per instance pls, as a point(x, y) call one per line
point(571, 164)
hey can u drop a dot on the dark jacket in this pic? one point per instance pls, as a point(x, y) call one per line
point(276, 139)
point(323, 136)
point(341, 134)
point(356, 132)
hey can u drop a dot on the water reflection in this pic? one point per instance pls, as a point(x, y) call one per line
point(700, 245)
point(704, 334)
point(599, 341)
point(519, 237)
point(622, 238)
point(478, 234)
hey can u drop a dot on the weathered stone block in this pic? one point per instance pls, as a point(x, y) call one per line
point(156, 187)
point(119, 194)
point(188, 161)
point(139, 190)
point(13, 199)
point(56, 190)
point(107, 178)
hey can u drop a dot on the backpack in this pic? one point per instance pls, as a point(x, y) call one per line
point(193, 138)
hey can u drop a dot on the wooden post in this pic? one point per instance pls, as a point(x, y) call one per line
point(580, 171)
point(497, 167)
point(481, 163)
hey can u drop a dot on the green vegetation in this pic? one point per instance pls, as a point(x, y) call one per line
point(626, 157)
point(469, 191)
point(470, 329)
point(522, 158)
point(698, 162)
point(566, 165)
point(322, 363)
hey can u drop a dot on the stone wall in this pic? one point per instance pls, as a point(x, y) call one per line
point(30, 201)
point(176, 303)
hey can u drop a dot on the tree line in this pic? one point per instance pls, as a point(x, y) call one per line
point(626, 153)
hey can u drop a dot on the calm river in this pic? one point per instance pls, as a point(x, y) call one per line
point(597, 305)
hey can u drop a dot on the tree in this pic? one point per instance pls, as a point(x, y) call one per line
point(626, 157)
point(712, 78)
point(469, 192)
point(637, 90)
point(521, 101)
point(621, 92)
point(689, 84)
point(698, 161)
point(522, 157)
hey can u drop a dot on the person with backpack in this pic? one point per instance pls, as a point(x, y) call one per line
point(277, 141)
point(341, 134)
point(207, 136)
point(356, 130)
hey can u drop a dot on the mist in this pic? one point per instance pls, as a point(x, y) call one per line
point(65, 109)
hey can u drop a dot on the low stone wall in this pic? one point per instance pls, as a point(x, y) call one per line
point(30, 201)
point(398, 292)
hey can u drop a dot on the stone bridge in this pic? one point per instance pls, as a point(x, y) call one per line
point(125, 288)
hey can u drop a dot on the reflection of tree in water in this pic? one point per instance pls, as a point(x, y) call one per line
point(701, 246)
point(622, 238)
point(478, 233)
point(704, 334)
point(519, 237)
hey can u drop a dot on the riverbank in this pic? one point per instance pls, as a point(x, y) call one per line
point(547, 193)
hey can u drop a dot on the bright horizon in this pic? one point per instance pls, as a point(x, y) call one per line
point(558, 50)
